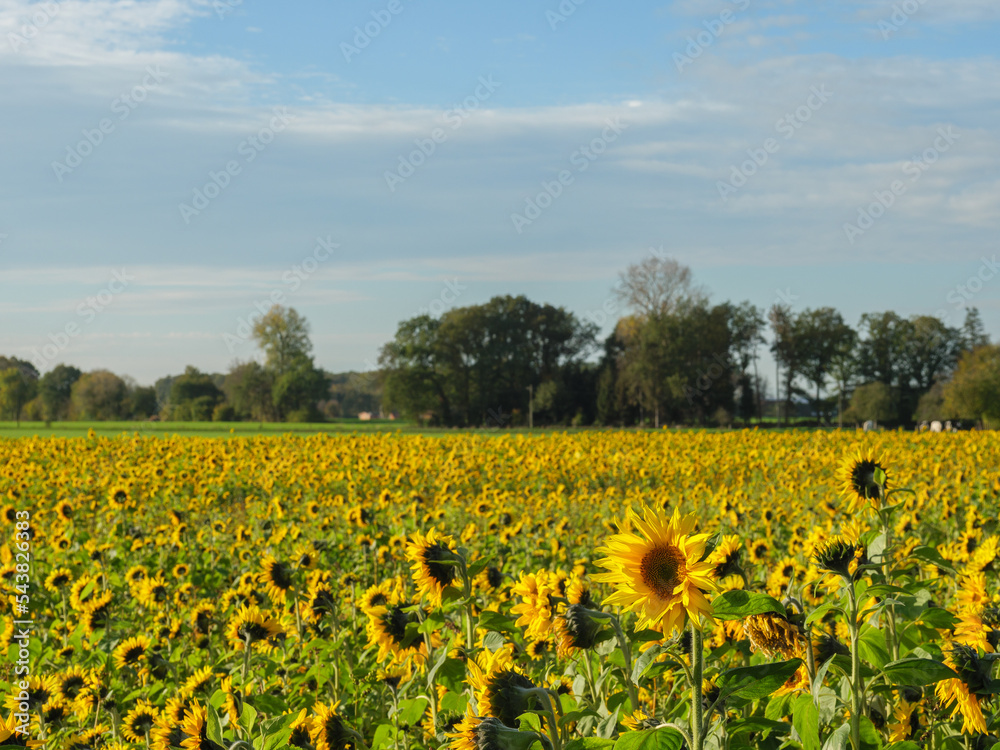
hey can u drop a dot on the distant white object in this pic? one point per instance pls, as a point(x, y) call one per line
point(935, 426)
point(948, 426)
point(868, 426)
point(365, 416)
point(923, 426)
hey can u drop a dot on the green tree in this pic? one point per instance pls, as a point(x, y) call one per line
point(875, 401)
point(17, 388)
point(821, 335)
point(746, 329)
point(99, 395)
point(248, 389)
point(974, 389)
point(297, 391)
point(787, 350)
point(283, 335)
point(194, 396)
point(55, 389)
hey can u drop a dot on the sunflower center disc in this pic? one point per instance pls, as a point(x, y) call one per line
point(661, 569)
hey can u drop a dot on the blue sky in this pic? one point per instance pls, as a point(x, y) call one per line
point(168, 165)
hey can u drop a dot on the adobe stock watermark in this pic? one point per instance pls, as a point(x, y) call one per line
point(363, 35)
point(961, 295)
point(223, 8)
point(901, 13)
point(714, 27)
point(449, 295)
point(581, 159)
point(123, 106)
point(291, 280)
point(425, 147)
point(787, 126)
point(87, 311)
point(562, 13)
point(41, 16)
point(218, 181)
point(914, 169)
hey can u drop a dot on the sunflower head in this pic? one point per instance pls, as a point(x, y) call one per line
point(865, 479)
point(501, 690)
point(488, 733)
point(435, 563)
point(836, 556)
point(658, 570)
point(576, 630)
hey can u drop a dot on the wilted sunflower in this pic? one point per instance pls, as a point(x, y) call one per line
point(858, 473)
point(658, 572)
point(771, 634)
point(434, 564)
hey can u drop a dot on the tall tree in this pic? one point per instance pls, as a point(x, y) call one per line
point(657, 286)
point(820, 335)
point(55, 389)
point(283, 335)
point(786, 349)
point(99, 395)
point(17, 387)
point(974, 390)
point(746, 329)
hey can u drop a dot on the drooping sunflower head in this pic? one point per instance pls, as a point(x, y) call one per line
point(658, 571)
point(639, 720)
point(576, 630)
point(488, 733)
point(434, 563)
point(865, 479)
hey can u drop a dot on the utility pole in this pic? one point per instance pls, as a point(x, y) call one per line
point(531, 407)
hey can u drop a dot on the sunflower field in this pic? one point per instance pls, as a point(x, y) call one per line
point(587, 591)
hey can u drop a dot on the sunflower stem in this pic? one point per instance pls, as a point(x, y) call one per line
point(855, 668)
point(633, 695)
point(542, 693)
point(697, 675)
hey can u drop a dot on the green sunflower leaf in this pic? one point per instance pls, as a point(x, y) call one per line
point(917, 672)
point(737, 604)
point(757, 681)
point(662, 738)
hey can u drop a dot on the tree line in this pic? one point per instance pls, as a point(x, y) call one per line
point(673, 358)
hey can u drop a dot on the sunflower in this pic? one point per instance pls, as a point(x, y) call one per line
point(488, 733)
point(139, 721)
point(639, 720)
point(277, 578)
point(659, 573)
point(58, 579)
point(726, 557)
point(329, 731)
point(9, 734)
point(233, 700)
point(979, 630)
point(963, 691)
point(387, 629)
point(434, 564)
point(499, 687)
point(131, 652)
point(197, 681)
point(250, 626)
point(575, 630)
point(194, 729)
point(535, 608)
point(70, 682)
point(865, 479)
point(907, 721)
